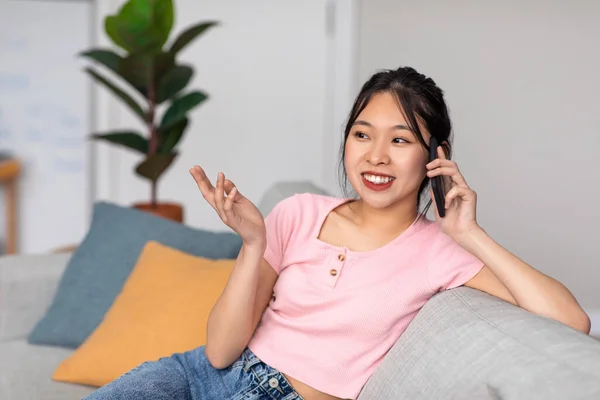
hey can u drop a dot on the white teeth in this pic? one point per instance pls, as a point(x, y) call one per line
point(378, 180)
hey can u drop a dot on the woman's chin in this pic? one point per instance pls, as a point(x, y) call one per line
point(378, 200)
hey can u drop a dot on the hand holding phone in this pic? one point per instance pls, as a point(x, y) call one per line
point(437, 182)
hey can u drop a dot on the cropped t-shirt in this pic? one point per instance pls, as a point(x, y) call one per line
point(335, 313)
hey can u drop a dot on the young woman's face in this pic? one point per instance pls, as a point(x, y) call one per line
point(384, 160)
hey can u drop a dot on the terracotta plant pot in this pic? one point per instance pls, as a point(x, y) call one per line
point(172, 211)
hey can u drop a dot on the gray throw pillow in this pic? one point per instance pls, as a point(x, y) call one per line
point(100, 266)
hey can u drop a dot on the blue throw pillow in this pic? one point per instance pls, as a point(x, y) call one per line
point(101, 264)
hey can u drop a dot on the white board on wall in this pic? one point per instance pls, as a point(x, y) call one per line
point(44, 117)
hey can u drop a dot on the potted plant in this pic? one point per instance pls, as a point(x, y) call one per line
point(147, 66)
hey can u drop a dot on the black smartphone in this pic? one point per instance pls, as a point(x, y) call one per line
point(437, 182)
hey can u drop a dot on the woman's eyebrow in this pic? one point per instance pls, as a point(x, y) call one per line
point(365, 123)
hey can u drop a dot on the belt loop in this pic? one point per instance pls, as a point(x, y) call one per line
point(245, 360)
point(250, 359)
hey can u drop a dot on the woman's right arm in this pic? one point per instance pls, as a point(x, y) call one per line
point(236, 314)
point(238, 310)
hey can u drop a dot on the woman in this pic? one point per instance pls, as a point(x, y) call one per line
point(324, 286)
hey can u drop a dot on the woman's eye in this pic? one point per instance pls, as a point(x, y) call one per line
point(360, 135)
point(399, 140)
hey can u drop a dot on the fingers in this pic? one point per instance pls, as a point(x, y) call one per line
point(228, 207)
point(464, 193)
point(228, 185)
point(215, 196)
point(219, 196)
point(446, 168)
point(441, 162)
point(206, 188)
point(440, 153)
point(225, 203)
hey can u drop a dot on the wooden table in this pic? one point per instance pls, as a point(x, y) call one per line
point(9, 175)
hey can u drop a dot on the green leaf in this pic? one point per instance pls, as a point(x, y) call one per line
point(179, 108)
point(108, 58)
point(162, 21)
point(190, 34)
point(171, 138)
point(141, 25)
point(112, 29)
point(173, 82)
point(133, 105)
point(129, 139)
point(112, 61)
point(154, 166)
point(144, 70)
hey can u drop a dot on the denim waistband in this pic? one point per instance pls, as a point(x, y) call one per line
point(269, 379)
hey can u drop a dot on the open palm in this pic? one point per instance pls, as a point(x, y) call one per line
point(235, 210)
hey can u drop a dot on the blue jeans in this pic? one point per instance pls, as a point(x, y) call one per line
point(189, 376)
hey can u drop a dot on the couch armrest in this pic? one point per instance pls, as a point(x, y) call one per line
point(284, 189)
point(466, 344)
point(27, 286)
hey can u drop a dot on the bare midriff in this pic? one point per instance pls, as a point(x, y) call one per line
point(309, 393)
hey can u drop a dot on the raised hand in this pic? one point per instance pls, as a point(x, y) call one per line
point(235, 210)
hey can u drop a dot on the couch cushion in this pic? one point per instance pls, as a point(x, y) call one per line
point(26, 371)
point(27, 285)
point(104, 260)
point(163, 309)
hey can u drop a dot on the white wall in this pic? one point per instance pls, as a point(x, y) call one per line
point(522, 82)
point(271, 108)
point(44, 113)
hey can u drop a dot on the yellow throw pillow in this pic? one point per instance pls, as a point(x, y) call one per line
point(162, 309)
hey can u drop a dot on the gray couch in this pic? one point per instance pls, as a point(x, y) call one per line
point(463, 344)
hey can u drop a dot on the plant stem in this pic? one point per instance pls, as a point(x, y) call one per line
point(153, 145)
point(153, 194)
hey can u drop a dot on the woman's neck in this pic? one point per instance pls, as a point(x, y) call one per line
point(393, 219)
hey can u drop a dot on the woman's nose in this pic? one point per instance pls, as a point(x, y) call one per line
point(378, 155)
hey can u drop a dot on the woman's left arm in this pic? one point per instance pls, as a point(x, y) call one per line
point(530, 289)
point(504, 274)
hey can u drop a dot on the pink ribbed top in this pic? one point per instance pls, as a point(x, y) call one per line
point(336, 312)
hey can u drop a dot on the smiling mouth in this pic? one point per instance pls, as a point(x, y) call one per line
point(378, 179)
